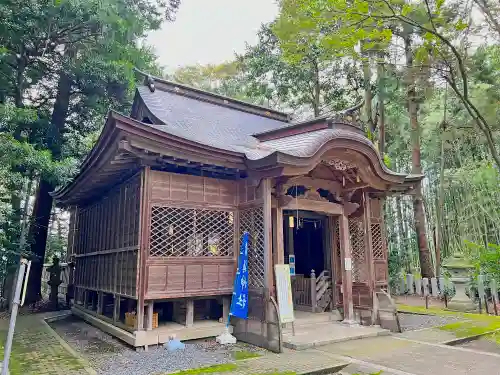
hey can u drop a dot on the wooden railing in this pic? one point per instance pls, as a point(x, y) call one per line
point(301, 291)
point(312, 293)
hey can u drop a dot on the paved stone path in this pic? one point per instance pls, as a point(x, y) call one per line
point(38, 351)
point(401, 356)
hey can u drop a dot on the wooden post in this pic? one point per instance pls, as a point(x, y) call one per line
point(369, 254)
point(314, 303)
point(345, 248)
point(268, 270)
point(291, 250)
point(189, 312)
point(150, 311)
point(85, 299)
point(279, 250)
point(333, 254)
point(100, 301)
point(226, 305)
point(116, 308)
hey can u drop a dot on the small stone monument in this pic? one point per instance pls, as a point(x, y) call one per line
point(54, 282)
point(459, 269)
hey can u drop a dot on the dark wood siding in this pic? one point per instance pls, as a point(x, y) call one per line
point(106, 241)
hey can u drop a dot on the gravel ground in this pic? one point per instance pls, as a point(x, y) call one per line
point(108, 356)
point(412, 322)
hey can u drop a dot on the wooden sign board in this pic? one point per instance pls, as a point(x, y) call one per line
point(284, 293)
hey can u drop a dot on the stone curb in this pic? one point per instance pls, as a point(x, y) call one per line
point(65, 345)
point(465, 339)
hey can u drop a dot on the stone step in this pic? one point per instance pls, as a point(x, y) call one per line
point(319, 334)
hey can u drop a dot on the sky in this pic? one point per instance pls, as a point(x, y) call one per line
point(210, 31)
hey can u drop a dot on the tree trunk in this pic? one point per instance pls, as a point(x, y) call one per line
point(43, 202)
point(424, 253)
point(317, 91)
point(367, 74)
point(381, 108)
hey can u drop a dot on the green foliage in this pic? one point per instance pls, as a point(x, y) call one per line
point(63, 64)
point(486, 259)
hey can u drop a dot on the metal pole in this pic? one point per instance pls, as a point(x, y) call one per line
point(15, 306)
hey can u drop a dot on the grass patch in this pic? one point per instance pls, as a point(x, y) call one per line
point(471, 328)
point(208, 369)
point(244, 354)
point(33, 349)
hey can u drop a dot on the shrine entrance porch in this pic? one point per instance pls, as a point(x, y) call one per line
point(318, 329)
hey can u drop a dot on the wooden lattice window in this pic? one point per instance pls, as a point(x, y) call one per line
point(358, 250)
point(180, 232)
point(252, 221)
point(377, 241)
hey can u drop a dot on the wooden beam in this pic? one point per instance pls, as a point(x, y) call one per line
point(333, 187)
point(289, 203)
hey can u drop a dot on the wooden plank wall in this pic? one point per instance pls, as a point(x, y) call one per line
point(106, 241)
point(174, 275)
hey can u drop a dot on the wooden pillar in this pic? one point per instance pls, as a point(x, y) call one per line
point(369, 254)
point(189, 312)
point(314, 302)
point(333, 255)
point(149, 311)
point(85, 299)
point(94, 301)
point(116, 309)
point(346, 263)
point(279, 250)
point(226, 306)
point(100, 301)
point(291, 250)
point(268, 266)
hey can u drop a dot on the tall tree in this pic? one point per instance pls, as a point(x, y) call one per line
point(74, 61)
point(315, 82)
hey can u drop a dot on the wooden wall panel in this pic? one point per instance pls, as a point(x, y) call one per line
point(176, 278)
point(194, 277)
point(157, 278)
point(172, 187)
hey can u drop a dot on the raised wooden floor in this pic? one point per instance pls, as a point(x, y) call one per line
point(160, 335)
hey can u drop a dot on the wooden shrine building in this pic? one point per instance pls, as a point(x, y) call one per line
point(161, 202)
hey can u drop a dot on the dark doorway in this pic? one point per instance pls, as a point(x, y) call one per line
point(307, 236)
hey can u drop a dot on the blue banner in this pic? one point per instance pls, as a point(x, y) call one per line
point(239, 302)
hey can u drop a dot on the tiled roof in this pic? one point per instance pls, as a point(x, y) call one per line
point(204, 122)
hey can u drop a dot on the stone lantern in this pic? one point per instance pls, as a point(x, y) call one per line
point(54, 282)
point(459, 269)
